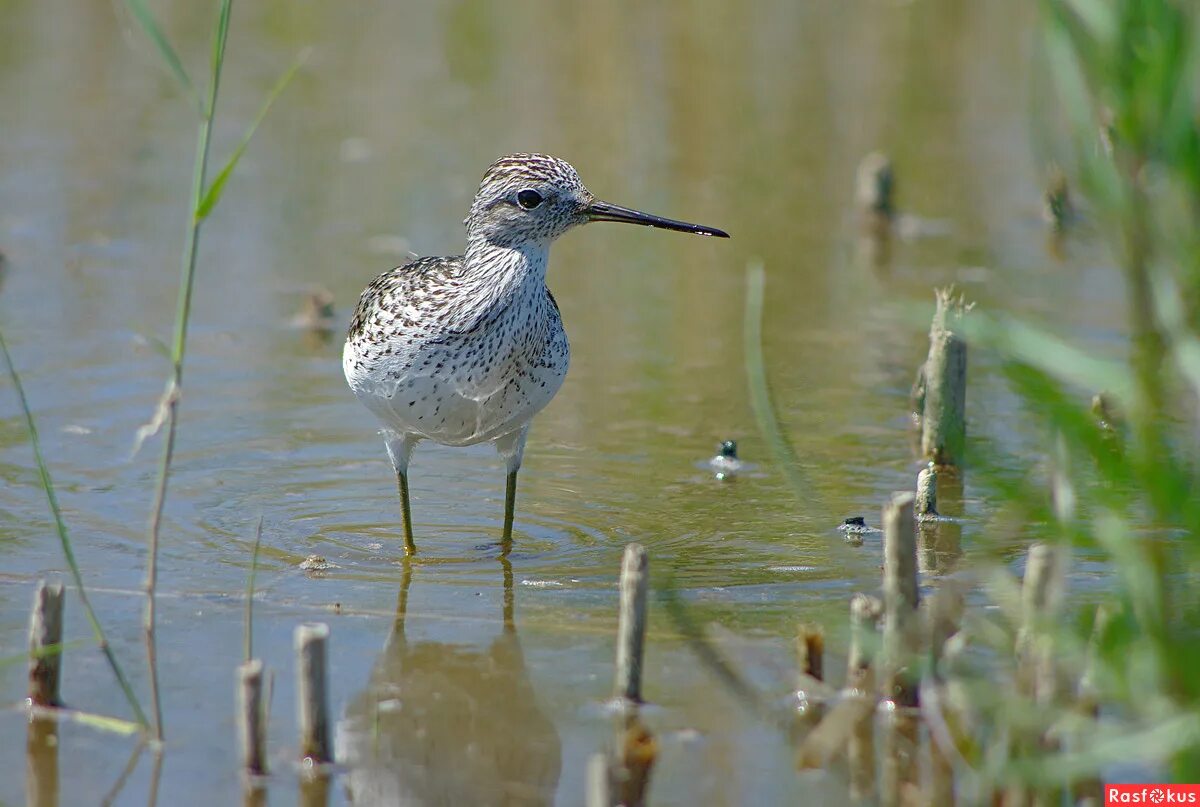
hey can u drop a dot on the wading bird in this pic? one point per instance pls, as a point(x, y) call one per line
point(467, 349)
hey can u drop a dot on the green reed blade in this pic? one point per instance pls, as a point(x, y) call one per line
point(150, 25)
point(213, 195)
point(760, 392)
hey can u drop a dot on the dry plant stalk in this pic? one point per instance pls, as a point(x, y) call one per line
point(311, 697)
point(810, 651)
point(251, 718)
point(631, 624)
point(45, 645)
point(943, 419)
point(900, 600)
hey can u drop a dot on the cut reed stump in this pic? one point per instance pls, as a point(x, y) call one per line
point(1090, 791)
point(926, 503)
point(943, 617)
point(1037, 675)
point(812, 694)
point(810, 651)
point(631, 624)
point(825, 724)
point(1042, 593)
point(45, 645)
point(900, 600)
point(899, 747)
point(929, 524)
point(865, 614)
point(312, 698)
point(943, 419)
point(900, 649)
point(251, 718)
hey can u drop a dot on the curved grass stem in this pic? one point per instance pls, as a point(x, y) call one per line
point(65, 540)
point(760, 393)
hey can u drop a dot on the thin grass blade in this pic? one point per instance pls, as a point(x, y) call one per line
point(1027, 344)
point(213, 194)
point(65, 539)
point(112, 725)
point(42, 652)
point(150, 25)
point(760, 392)
point(218, 52)
point(249, 617)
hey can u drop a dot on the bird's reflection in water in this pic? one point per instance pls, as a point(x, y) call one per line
point(449, 724)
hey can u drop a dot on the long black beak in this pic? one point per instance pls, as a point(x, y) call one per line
point(603, 211)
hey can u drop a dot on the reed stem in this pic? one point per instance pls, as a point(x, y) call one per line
point(248, 619)
point(170, 401)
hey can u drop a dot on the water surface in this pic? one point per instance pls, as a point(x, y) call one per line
point(750, 117)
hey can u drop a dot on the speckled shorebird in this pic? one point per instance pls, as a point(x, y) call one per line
point(467, 349)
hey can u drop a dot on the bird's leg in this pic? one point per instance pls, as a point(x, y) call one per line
point(511, 448)
point(410, 548)
point(510, 506)
point(399, 448)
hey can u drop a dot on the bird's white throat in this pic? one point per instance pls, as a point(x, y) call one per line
point(498, 275)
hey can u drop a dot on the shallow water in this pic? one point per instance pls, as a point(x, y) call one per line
point(751, 119)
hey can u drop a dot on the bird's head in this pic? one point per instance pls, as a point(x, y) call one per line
point(531, 198)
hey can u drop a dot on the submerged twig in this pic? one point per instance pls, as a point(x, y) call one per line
point(65, 540)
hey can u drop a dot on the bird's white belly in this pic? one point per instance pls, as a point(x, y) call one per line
point(449, 409)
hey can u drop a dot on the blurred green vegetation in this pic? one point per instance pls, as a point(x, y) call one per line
point(1118, 481)
point(1122, 475)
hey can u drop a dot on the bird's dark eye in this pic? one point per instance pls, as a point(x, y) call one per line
point(529, 199)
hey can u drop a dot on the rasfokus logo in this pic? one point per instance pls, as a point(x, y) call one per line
point(1151, 794)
